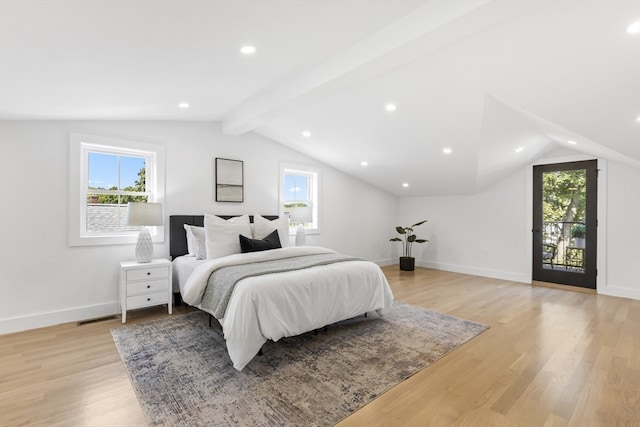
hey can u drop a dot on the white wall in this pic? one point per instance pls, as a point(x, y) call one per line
point(478, 234)
point(43, 281)
point(489, 234)
point(622, 240)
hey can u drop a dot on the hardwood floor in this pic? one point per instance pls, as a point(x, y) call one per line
point(552, 357)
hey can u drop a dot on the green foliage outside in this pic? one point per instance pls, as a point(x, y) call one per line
point(295, 205)
point(579, 231)
point(564, 202)
point(564, 196)
point(139, 186)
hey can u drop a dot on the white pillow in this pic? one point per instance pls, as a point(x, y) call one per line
point(263, 227)
point(222, 236)
point(196, 241)
point(191, 241)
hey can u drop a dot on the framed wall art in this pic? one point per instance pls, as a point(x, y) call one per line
point(229, 180)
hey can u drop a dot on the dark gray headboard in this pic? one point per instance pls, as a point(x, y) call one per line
point(178, 237)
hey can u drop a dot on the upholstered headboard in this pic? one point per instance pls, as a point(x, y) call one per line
point(178, 236)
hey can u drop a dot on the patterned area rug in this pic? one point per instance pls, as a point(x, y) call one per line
point(182, 374)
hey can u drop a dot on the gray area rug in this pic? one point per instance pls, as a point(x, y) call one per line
point(183, 376)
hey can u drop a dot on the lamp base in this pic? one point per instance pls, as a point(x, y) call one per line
point(144, 246)
point(301, 238)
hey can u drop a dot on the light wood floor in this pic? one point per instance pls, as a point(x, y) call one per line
point(552, 357)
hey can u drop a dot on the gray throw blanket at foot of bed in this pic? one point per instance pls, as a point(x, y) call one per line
point(223, 280)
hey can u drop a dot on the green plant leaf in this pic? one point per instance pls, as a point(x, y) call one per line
point(395, 239)
point(411, 238)
point(419, 223)
point(401, 230)
point(421, 240)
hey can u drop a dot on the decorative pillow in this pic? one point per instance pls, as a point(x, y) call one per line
point(196, 241)
point(191, 241)
point(263, 227)
point(222, 235)
point(272, 241)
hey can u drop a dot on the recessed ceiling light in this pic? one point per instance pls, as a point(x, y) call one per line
point(363, 163)
point(519, 149)
point(183, 105)
point(446, 150)
point(634, 28)
point(571, 142)
point(306, 134)
point(405, 184)
point(390, 107)
point(638, 119)
point(248, 50)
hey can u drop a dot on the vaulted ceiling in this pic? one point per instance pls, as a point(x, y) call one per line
point(499, 83)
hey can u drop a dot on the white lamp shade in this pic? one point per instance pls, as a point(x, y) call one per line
point(301, 215)
point(143, 214)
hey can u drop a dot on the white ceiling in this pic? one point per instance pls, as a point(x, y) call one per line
point(480, 77)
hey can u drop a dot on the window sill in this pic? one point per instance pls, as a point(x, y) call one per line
point(111, 240)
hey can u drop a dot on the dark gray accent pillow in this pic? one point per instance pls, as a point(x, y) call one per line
point(272, 241)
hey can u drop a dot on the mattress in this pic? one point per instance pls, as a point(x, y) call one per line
point(183, 266)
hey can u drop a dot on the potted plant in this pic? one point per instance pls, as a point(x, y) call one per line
point(578, 233)
point(407, 262)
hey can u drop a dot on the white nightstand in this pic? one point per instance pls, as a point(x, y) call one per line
point(145, 285)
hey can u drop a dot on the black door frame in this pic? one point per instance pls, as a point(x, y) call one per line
point(588, 278)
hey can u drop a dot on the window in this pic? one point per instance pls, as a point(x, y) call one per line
point(106, 174)
point(299, 197)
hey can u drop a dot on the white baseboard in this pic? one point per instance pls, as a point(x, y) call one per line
point(614, 291)
point(475, 271)
point(385, 262)
point(40, 320)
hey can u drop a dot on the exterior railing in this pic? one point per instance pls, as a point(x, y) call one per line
point(564, 243)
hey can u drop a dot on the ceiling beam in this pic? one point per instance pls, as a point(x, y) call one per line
point(424, 20)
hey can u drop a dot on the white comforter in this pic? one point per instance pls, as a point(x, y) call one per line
point(287, 304)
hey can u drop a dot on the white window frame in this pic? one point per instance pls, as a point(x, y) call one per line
point(80, 145)
point(314, 179)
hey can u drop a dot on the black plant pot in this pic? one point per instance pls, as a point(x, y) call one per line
point(407, 263)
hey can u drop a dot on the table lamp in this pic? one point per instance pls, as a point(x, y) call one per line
point(145, 215)
point(300, 215)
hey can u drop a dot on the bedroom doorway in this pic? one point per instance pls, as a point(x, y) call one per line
point(565, 223)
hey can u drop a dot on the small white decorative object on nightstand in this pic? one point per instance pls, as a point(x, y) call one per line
point(145, 285)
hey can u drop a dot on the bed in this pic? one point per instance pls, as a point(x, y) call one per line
point(276, 293)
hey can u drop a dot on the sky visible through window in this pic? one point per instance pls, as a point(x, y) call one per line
point(103, 170)
point(296, 188)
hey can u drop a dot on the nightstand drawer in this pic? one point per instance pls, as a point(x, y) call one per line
point(147, 286)
point(144, 300)
point(147, 273)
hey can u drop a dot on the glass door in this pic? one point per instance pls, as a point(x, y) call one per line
point(565, 223)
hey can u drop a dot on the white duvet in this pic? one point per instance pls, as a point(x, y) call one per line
point(287, 304)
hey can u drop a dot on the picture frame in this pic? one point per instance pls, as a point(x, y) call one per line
point(229, 180)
